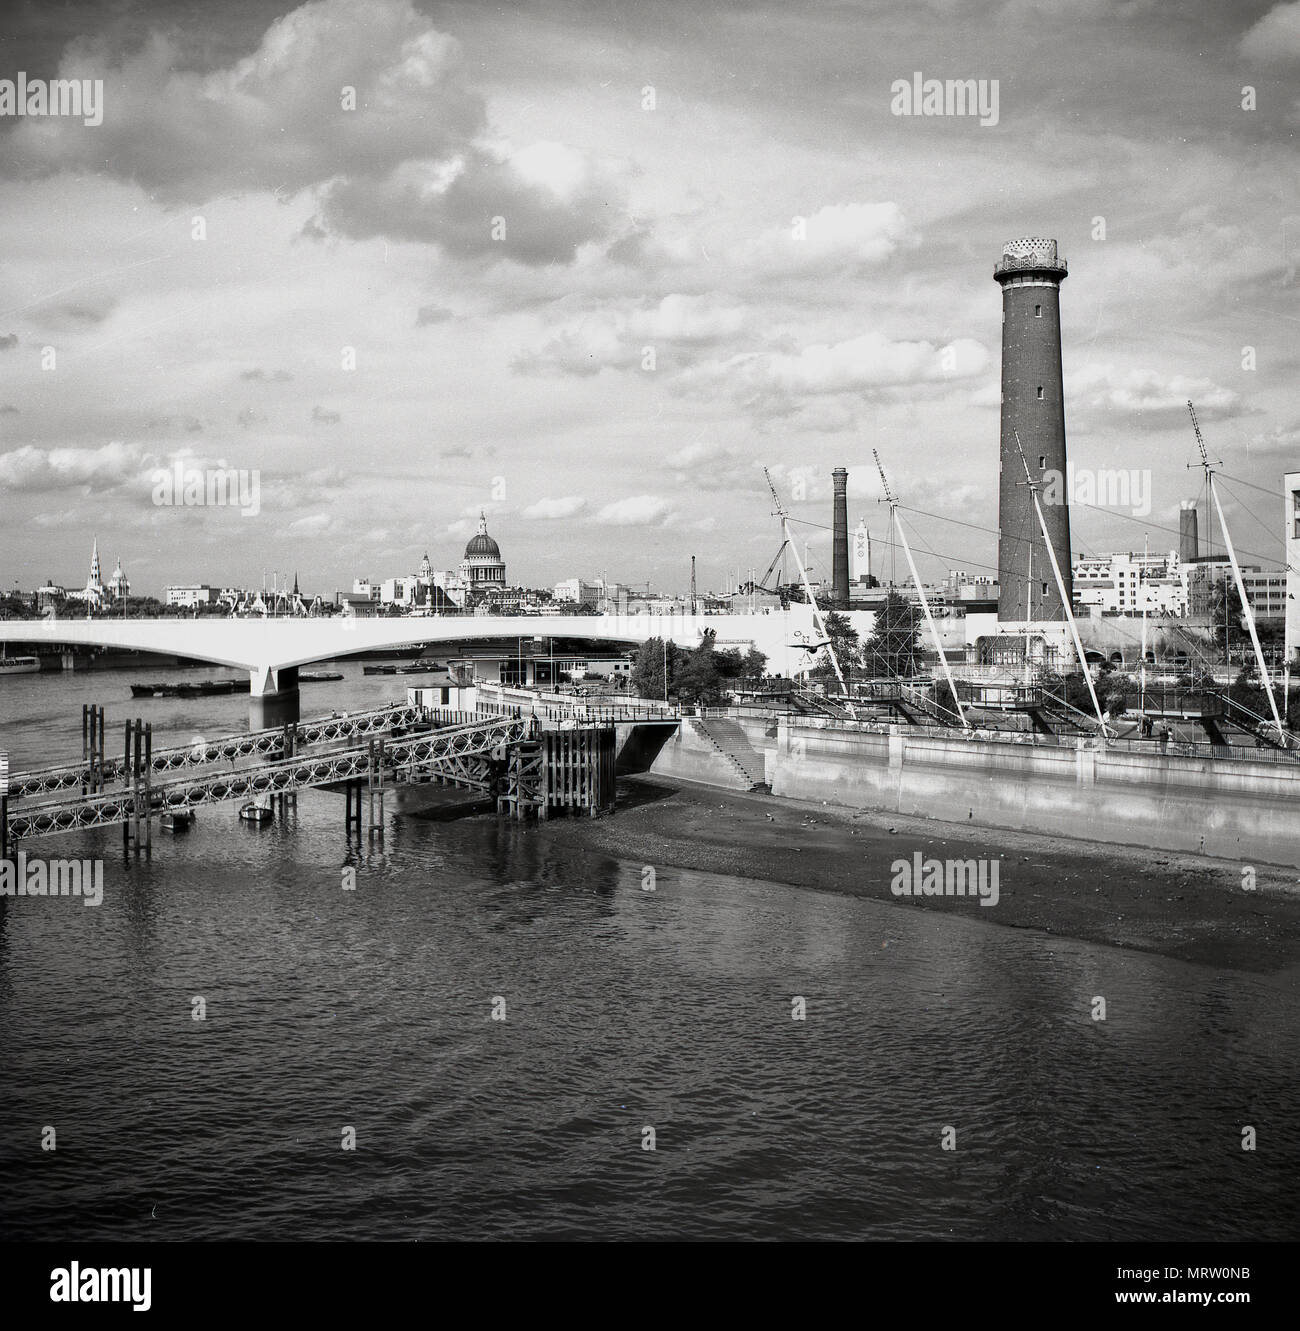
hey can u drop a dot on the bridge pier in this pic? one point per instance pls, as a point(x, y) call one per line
point(273, 698)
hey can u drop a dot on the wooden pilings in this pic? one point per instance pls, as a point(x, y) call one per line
point(560, 769)
point(92, 747)
point(352, 809)
point(375, 786)
point(287, 801)
point(370, 790)
point(137, 772)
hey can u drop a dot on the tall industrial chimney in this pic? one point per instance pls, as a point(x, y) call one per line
point(840, 540)
point(1033, 412)
point(1189, 545)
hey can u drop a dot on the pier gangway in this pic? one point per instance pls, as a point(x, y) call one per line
point(440, 748)
point(262, 744)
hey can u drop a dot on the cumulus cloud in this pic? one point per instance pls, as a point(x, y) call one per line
point(44, 469)
point(838, 236)
point(115, 466)
point(485, 203)
point(1276, 37)
point(637, 511)
point(8, 341)
point(432, 314)
point(407, 154)
point(258, 375)
point(324, 417)
point(617, 336)
point(702, 466)
point(312, 525)
point(779, 380)
point(544, 509)
point(1148, 393)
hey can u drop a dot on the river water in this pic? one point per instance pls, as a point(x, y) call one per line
point(625, 1010)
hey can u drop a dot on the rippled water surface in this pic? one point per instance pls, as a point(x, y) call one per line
point(625, 1010)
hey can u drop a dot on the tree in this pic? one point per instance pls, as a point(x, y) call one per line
point(698, 681)
point(1226, 611)
point(755, 664)
point(844, 641)
point(648, 668)
point(893, 648)
point(730, 664)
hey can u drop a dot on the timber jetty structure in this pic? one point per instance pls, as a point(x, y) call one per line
point(529, 772)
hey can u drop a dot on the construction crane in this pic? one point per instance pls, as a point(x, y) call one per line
point(776, 559)
point(818, 618)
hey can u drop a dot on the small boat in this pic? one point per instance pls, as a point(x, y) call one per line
point(204, 688)
point(19, 665)
point(421, 667)
point(258, 814)
point(177, 820)
point(318, 676)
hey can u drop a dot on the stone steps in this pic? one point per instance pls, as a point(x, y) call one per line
point(732, 742)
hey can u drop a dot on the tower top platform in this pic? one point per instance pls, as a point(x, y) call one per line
point(1030, 254)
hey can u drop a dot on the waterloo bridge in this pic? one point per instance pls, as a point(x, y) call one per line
point(272, 649)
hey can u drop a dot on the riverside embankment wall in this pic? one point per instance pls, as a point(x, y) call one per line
point(1234, 809)
point(689, 757)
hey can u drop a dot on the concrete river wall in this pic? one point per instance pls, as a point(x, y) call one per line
point(1242, 809)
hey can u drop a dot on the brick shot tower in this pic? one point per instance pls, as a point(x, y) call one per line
point(840, 540)
point(1033, 408)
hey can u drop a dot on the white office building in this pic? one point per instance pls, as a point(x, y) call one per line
point(1291, 493)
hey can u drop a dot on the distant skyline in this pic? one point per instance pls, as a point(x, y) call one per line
point(596, 264)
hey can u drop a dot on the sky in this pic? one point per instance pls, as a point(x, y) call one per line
point(589, 267)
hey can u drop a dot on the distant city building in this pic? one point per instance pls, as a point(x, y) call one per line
point(751, 599)
point(482, 571)
point(358, 605)
point(191, 595)
point(49, 596)
point(96, 595)
point(1266, 590)
point(578, 591)
point(600, 595)
point(860, 554)
point(398, 591)
point(963, 586)
point(1291, 536)
point(118, 586)
point(1130, 582)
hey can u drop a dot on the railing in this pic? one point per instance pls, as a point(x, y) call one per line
point(1234, 752)
point(255, 743)
point(1260, 726)
point(1076, 715)
point(300, 773)
point(502, 700)
point(928, 705)
point(1182, 701)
